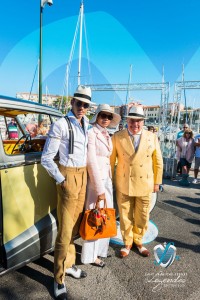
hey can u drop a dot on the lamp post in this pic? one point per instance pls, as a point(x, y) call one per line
point(42, 5)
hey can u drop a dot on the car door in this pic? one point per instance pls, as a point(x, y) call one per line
point(28, 201)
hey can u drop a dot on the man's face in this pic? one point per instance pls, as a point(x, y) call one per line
point(79, 108)
point(135, 125)
point(185, 126)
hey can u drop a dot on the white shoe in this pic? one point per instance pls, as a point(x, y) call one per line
point(60, 291)
point(75, 272)
point(195, 181)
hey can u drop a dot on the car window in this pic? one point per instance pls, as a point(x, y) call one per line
point(24, 133)
point(37, 125)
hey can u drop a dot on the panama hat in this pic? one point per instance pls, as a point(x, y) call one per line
point(83, 93)
point(136, 112)
point(106, 108)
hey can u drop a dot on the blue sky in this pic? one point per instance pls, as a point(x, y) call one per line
point(145, 34)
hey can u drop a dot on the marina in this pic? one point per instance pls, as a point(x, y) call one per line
point(128, 53)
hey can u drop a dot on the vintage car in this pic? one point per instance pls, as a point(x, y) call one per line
point(28, 194)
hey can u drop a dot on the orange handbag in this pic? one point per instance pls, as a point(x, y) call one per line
point(98, 223)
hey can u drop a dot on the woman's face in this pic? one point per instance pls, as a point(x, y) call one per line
point(188, 135)
point(104, 119)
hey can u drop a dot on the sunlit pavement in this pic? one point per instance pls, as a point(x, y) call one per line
point(176, 215)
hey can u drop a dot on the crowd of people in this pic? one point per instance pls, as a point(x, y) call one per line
point(90, 163)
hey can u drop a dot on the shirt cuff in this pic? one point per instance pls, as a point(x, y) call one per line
point(59, 178)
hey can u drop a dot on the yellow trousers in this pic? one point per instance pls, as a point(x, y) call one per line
point(134, 217)
point(69, 211)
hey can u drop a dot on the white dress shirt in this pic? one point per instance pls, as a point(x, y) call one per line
point(136, 139)
point(58, 140)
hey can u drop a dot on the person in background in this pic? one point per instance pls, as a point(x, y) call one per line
point(185, 154)
point(138, 174)
point(180, 134)
point(41, 130)
point(71, 178)
point(150, 128)
point(32, 128)
point(155, 130)
point(12, 129)
point(197, 158)
point(99, 187)
point(120, 127)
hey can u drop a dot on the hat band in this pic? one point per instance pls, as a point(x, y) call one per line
point(82, 96)
point(136, 115)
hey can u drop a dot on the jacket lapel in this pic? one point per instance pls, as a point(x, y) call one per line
point(127, 143)
point(101, 137)
point(129, 147)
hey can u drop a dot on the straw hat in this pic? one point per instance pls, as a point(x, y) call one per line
point(106, 108)
point(83, 93)
point(136, 112)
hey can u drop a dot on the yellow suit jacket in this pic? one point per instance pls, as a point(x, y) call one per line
point(136, 172)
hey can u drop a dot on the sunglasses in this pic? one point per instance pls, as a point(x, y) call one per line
point(80, 104)
point(105, 116)
point(185, 127)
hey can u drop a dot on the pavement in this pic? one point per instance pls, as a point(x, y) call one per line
point(176, 215)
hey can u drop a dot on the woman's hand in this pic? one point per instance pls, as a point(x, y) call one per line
point(101, 197)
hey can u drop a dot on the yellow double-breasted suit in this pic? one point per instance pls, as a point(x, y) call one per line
point(135, 176)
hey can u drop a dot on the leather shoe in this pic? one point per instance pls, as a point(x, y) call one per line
point(142, 250)
point(98, 263)
point(60, 291)
point(125, 251)
point(76, 272)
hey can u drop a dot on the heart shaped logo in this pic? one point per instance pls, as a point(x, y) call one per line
point(164, 255)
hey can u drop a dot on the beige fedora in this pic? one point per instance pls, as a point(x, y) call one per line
point(136, 112)
point(106, 108)
point(83, 93)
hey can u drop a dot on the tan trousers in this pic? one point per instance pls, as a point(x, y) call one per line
point(134, 217)
point(69, 211)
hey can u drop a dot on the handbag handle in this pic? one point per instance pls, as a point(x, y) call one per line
point(97, 204)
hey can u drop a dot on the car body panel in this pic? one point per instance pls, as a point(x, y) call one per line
point(28, 194)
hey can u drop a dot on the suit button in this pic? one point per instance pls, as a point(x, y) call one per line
point(140, 176)
point(141, 165)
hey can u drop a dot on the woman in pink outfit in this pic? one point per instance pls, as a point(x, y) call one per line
point(99, 185)
point(185, 154)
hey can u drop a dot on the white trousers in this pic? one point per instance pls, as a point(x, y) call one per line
point(92, 249)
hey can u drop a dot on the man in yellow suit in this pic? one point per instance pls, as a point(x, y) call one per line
point(138, 173)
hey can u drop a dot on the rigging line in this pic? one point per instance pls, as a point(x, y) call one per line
point(183, 79)
point(33, 82)
point(186, 112)
point(69, 63)
point(87, 52)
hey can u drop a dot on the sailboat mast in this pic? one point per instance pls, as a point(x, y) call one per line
point(80, 44)
point(129, 81)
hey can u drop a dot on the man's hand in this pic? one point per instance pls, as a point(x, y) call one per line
point(63, 185)
point(156, 188)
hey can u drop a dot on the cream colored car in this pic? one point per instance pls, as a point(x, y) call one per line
point(28, 194)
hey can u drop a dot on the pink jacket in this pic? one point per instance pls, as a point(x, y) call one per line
point(98, 159)
point(190, 149)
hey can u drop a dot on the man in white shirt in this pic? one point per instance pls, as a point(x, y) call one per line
point(71, 178)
